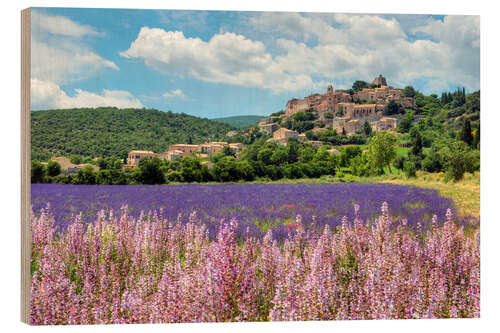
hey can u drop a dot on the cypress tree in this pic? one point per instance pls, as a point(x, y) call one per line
point(367, 129)
point(466, 134)
point(417, 147)
point(477, 139)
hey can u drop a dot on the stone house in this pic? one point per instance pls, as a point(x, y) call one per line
point(186, 149)
point(268, 128)
point(135, 156)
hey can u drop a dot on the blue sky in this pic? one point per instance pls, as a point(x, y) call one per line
point(215, 64)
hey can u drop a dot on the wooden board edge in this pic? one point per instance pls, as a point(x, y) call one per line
point(25, 164)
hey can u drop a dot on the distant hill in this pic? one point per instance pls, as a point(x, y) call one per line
point(240, 121)
point(114, 132)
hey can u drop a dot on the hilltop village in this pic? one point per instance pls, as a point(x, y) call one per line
point(345, 111)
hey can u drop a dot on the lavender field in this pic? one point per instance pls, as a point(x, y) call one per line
point(199, 253)
point(257, 207)
point(150, 270)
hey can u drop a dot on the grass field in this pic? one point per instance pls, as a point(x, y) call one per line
point(465, 193)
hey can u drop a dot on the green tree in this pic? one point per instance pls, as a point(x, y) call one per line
point(360, 166)
point(404, 124)
point(432, 161)
point(279, 156)
point(191, 169)
point(86, 176)
point(382, 150)
point(399, 162)
point(392, 108)
point(104, 177)
point(76, 159)
point(457, 159)
point(348, 153)
point(367, 129)
point(466, 133)
point(477, 139)
point(151, 171)
point(264, 155)
point(225, 170)
point(344, 132)
point(410, 169)
point(293, 150)
point(53, 168)
point(102, 163)
point(417, 147)
point(226, 151)
point(38, 172)
point(359, 85)
point(409, 91)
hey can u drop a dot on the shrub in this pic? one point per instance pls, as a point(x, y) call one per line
point(399, 162)
point(410, 169)
point(457, 159)
point(432, 162)
point(53, 168)
point(38, 172)
point(174, 176)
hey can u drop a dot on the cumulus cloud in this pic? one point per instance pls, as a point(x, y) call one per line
point(59, 54)
point(177, 93)
point(350, 46)
point(46, 94)
point(312, 49)
point(66, 62)
point(226, 58)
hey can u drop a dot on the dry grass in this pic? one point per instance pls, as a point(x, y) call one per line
point(465, 193)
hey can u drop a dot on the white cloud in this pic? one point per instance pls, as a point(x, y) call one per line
point(66, 61)
point(312, 49)
point(177, 93)
point(226, 58)
point(48, 95)
point(59, 55)
point(60, 25)
point(353, 47)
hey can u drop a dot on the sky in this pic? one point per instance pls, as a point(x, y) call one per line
point(217, 64)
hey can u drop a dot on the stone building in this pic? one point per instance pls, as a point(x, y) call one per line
point(268, 128)
point(212, 147)
point(386, 124)
point(68, 167)
point(237, 147)
point(319, 103)
point(186, 149)
point(380, 81)
point(171, 155)
point(135, 156)
point(282, 135)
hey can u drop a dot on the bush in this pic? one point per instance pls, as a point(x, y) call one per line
point(360, 166)
point(432, 162)
point(38, 172)
point(174, 176)
point(399, 162)
point(410, 169)
point(293, 171)
point(53, 168)
point(86, 176)
point(458, 159)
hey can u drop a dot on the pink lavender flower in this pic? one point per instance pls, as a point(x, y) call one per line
point(122, 269)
